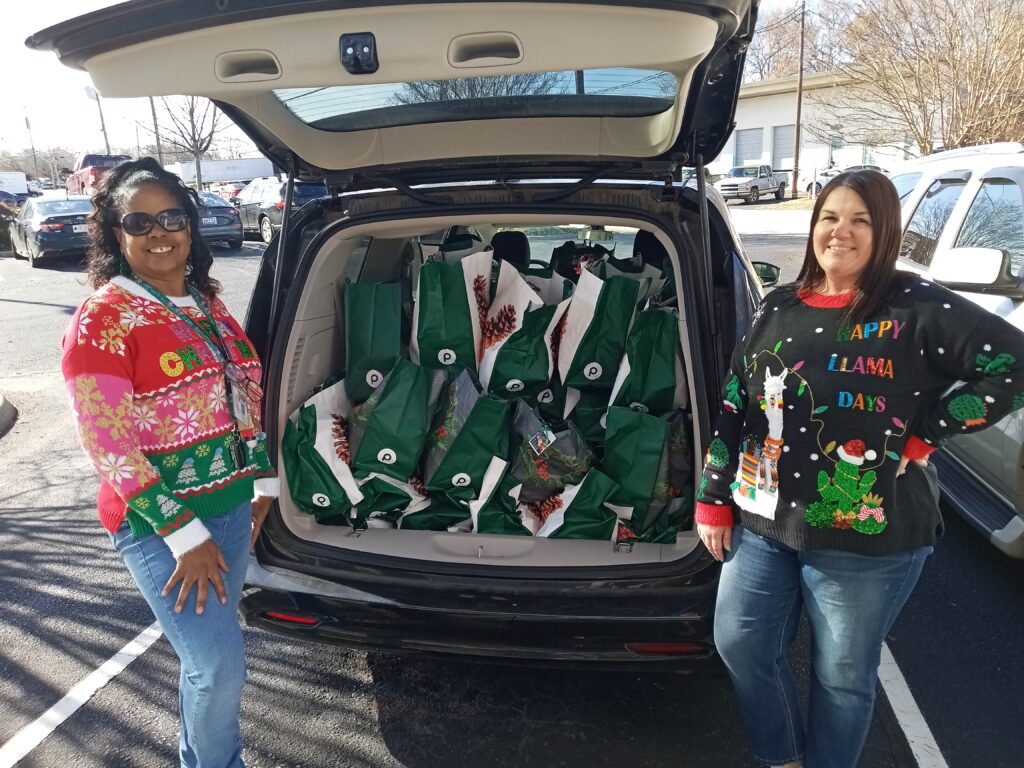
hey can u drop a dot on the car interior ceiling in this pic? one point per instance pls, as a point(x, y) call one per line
point(315, 351)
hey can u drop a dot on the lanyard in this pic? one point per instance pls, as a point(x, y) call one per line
point(233, 372)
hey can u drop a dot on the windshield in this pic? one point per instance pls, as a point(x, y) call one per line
point(55, 207)
point(743, 173)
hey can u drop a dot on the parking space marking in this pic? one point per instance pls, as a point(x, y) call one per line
point(908, 715)
point(32, 735)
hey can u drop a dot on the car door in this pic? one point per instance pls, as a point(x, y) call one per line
point(20, 225)
point(247, 201)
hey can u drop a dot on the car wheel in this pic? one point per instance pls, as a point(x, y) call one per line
point(14, 249)
point(753, 196)
point(266, 230)
point(780, 193)
point(235, 244)
point(814, 189)
point(32, 258)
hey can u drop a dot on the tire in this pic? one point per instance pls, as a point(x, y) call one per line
point(780, 193)
point(266, 230)
point(814, 189)
point(14, 249)
point(235, 244)
point(754, 195)
point(32, 257)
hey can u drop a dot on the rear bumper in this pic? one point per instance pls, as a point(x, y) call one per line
point(494, 628)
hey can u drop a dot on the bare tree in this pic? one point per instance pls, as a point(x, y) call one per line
point(775, 50)
point(194, 121)
point(917, 70)
point(480, 87)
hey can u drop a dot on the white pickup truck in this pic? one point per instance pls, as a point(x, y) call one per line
point(751, 182)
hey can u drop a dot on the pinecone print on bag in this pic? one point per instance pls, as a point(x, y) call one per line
point(557, 334)
point(417, 483)
point(339, 430)
point(483, 300)
point(499, 327)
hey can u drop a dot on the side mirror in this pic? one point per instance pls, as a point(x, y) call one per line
point(768, 274)
point(980, 270)
point(234, 201)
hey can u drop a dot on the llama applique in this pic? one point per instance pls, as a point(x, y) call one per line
point(757, 479)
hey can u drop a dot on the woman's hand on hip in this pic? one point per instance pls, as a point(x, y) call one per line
point(717, 538)
point(198, 567)
point(260, 510)
point(904, 461)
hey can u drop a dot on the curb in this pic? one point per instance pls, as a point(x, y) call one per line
point(8, 414)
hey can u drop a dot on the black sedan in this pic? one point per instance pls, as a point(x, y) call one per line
point(51, 227)
point(219, 221)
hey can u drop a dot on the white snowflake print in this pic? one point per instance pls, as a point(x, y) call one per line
point(144, 306)
point(218, 396)
point(987, 347)
point(186, 423)
point(132, 319)
point(942, 351)
point(814, 457)
point(83, 323)
point(145, 416)
point(947, 306)
point(989, 399)
point(115, 468)
point(167, 400)
point(818, 330)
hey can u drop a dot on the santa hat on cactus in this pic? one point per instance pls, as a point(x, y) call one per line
point(853, 452)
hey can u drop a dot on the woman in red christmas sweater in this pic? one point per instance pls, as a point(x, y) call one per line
point(164, 387)
point(836, 396)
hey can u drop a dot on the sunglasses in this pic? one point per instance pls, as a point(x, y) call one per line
point(172, 220)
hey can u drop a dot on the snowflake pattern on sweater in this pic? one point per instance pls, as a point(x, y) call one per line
point(816, 468)
point(151, 409)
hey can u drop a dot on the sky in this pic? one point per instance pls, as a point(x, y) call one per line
point(53, 96)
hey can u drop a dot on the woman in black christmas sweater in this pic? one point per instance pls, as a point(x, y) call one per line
point(835, 398)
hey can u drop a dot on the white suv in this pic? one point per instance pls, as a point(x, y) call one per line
point(963, 227)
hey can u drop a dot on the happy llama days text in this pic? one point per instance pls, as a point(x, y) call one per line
point(869, 366)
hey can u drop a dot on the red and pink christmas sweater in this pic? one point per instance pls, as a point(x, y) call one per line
point(149, 401)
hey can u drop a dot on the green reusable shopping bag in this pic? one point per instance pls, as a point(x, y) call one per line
point(582, 511)
point(588, 414)
point(388, 431)
point(550, 286)
point(597, 324)
point(498, 512)
point(524, 364)
point(373, 335)
point(652, 278)
point(315, 458)
point(470, 429)
point(441, 515)
point(385, 500)
point(513, 302)
point(636, 457)
point(545, 461)
point(451, 301)
point(651, 377)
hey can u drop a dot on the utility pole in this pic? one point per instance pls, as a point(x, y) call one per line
point(156, 132)
point(32, 143)
point(799, 105)
point(92, 94)
point(580, 88)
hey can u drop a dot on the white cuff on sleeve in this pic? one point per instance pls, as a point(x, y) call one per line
point(187, 538)
point(267, 486)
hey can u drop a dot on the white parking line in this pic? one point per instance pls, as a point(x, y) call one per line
point(29, 737)
point(919, 735)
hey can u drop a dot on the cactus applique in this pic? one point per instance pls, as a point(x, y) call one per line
point(846, 501)
point(969, 409)
point(731, 394)
point(992, 366)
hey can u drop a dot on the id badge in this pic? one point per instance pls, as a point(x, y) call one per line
point(240, 410)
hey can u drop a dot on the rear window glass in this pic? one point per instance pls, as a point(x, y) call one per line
point(103, 161)
point(56, 207)
point(926, 225)
point(308, 190)
point(996, 220)
point(212, 200)
point(614, 92)
point(905, 184)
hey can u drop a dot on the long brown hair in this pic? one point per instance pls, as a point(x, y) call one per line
point(104, 260)
point(880, 275)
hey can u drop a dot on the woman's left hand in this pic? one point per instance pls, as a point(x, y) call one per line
point(904, 461)
point(260, 509)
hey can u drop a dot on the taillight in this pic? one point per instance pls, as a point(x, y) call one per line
point(292, 618)
point(279, 205)
point(234, 211)
point(94, 175)
point(51, 226)
point(667, 649)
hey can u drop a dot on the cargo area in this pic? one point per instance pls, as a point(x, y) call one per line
point(540, 248)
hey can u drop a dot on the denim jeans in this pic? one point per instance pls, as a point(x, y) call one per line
point(851, 603)
point(209, 646)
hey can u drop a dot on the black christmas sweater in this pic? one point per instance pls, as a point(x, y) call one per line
point(816, 414)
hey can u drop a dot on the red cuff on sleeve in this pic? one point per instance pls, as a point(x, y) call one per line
point(916, 448)
point(713, 514)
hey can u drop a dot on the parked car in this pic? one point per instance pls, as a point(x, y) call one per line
point(402, 172)
point(219, 221)
point(750, 182)
point(813, 186)
point(261, 203)
point(11, 199)
point(88, 170)
point(963, 226)
point(51, 227)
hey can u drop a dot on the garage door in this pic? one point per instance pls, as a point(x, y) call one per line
point(782, 148)
point(749, 144)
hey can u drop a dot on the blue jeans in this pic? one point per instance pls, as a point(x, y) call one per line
point(851, 603)
point(209, 646)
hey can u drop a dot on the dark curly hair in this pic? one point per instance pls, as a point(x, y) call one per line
point(104, 259)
